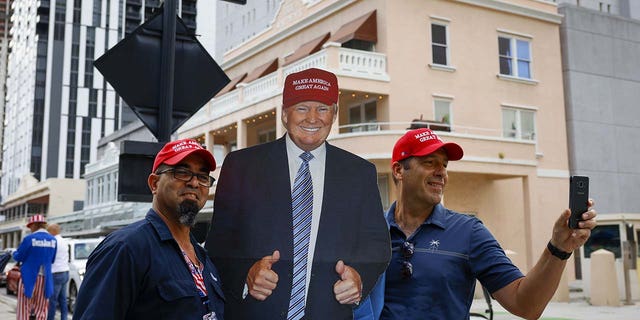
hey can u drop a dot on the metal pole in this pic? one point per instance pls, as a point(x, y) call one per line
point(167, 66)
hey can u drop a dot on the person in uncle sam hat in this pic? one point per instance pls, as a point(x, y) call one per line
point(298, 229)
point(36, 252)
point(154, 268)
point(438, 253)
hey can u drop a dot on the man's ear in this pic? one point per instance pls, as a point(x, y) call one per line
point(396, 170)
point(152, 181)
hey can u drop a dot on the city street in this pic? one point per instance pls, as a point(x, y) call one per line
point(7, 306)
point(577, 309)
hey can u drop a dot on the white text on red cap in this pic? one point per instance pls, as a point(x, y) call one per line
point(186, 145)
point(426, 136)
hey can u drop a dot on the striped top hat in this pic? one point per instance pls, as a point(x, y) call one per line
point(35, 219)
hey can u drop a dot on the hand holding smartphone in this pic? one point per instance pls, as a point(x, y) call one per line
point(578, 199)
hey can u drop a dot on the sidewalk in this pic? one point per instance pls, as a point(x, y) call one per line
point(8, 307)
point(577, 309)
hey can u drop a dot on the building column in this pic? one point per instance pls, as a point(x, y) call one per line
point(527, 195)
point(241, 134)
point(280, 129)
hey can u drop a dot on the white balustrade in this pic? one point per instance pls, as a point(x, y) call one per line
point(261, 88)
point(363, 64)
point(316, 60)
point(356, 63)
point(225, 104)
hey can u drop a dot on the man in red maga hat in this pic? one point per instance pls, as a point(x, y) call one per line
point(154, 268)
point(438, 253)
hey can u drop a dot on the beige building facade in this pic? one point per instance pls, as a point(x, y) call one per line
point(52, 197)
point(485, 74)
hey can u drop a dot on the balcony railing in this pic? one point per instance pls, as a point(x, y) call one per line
point(262, 88)
point(379, 126)
point(360, 63)
point(316, 60)
point(225, 104)
point(353, 63)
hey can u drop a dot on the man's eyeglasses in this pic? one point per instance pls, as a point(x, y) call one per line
point(407, 251)
point(185, 175)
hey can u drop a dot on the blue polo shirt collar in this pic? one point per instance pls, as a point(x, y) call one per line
point(436, 218)
point(158, 224)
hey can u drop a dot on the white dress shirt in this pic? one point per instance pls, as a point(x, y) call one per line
point(61, 263)
point(317, 168)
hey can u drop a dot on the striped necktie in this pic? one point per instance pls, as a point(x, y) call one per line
point(302, 205)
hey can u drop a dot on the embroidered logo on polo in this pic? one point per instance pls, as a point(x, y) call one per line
point(434, 244)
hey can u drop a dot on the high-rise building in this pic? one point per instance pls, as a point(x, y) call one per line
point(5, 25)
point(58, 105)
point(238, 23)
point(600, 43)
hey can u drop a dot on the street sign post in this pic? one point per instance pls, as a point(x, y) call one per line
point(165, 75)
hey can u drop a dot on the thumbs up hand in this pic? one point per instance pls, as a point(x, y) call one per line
point(261, 280)
point(348, 290)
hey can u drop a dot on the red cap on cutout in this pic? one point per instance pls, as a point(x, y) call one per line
point(421, 142)
point(310, 85)
point(173, 152)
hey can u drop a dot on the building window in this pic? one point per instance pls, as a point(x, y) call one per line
point(99, 190)
point(439, 48)
point(515, 57)
point(362, 45)
point(362, 117)
point(518, 124)
point(58, 30)
point(442, 111)
point(383, 188)
point(266, 136)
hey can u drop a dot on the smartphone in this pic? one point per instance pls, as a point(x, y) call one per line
point(578, 199)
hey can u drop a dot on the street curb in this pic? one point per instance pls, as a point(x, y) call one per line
point(8, 301)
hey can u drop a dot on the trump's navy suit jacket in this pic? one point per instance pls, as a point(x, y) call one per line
point(252, 218)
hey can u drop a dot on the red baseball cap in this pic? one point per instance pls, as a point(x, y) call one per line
point(310, 85)
point(421, 142)
point(173, 152)
point(35, 219)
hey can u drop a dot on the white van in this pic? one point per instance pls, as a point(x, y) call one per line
point(79, 251)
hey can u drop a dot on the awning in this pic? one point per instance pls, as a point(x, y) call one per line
point(232, 85)
point(306, 49)
point(262, 71)
point(364, 28)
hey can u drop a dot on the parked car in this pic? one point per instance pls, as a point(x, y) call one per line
point(6, 263)
point(13, 278)
point(79, 251)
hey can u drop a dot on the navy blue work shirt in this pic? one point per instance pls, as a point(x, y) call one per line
point(139, 272)
point(451, 251)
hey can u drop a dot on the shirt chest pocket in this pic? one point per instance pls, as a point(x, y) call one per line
point(173, 290)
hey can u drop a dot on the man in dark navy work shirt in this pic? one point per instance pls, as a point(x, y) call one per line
point(154, 268)
point(438, 253)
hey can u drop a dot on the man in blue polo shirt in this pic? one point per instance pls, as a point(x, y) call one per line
point(438, 253)
point(154, 268)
